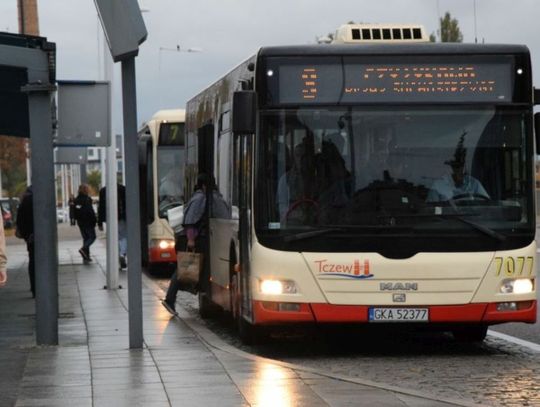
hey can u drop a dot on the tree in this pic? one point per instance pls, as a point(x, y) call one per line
point(449, 29)
point(94, 180)
point(13, 165)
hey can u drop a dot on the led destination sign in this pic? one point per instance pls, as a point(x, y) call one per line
point(394, 83)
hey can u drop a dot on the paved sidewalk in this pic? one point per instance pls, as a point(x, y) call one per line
point(181, 364)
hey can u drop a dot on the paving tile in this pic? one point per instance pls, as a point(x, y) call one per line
point(79, 402)
point(174, 368)
point(55, 392)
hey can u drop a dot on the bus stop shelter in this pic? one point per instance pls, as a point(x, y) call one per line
point(27, 81)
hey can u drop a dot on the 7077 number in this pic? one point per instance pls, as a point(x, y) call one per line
point(514, 266)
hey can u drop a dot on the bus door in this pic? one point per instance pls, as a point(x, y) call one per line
point(221, 222)
point(245, 182)
point(205, 155)
point(146, 188)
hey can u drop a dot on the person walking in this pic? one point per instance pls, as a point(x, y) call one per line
point(25, 230)
point(102, 218)
point(3, 256)
point(86, 219)
point(195, 230)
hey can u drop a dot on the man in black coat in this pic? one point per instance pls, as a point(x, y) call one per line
point(25, 230)
point(86, 219)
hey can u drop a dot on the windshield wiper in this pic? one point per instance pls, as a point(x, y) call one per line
point(481, 228)
point(309, 234)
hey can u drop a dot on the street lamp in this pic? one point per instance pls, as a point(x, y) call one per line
point(176, 49)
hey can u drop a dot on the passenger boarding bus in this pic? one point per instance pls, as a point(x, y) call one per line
point(380, 180)
point(161, 160)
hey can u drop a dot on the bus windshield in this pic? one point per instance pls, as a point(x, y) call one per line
point(170, 175)
point(387, 169)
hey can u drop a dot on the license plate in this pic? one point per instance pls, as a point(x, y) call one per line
point(398, 315)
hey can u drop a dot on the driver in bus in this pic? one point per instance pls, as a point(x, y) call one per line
point(170, 187)
point(297, 184)
point(458, 184)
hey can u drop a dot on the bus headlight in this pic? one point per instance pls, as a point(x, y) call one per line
point(277, 287)
point(519, 286)
point(163, 244)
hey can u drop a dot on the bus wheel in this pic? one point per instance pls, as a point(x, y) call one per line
point(207, 309)
point(249, 334)
point(470, 334)
point(234, 294)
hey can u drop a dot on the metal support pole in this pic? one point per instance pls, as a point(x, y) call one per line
point(102, 165)
point(63, 177)
point(45, 232)
point(83, 175)
point(133, 220)
point(110, 182)
point(56, 167)
point(73, 189)
point(28, 166)
point(112, 218)
point(123, 154)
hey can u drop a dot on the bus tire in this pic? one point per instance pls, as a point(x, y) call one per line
point(207, 309)
point(234, 294)
point(470, 334)
point(249, 334)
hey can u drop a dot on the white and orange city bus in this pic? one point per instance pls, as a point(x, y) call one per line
point(379, 180)
point(161, 164)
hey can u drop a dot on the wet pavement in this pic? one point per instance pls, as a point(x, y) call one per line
point(495, 373)
point(182, 363)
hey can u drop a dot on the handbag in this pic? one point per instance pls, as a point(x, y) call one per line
point(188, 268)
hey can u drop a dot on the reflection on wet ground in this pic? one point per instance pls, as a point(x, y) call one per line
point(494, 373)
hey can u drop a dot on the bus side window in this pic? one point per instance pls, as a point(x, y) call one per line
point(205, 149)
point(224, 172)
point(236, 172)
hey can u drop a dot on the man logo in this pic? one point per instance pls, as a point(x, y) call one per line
point(399, 297)
point(398, 286)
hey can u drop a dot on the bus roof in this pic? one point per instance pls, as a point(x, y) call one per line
point(393, 49)
point(170, 115)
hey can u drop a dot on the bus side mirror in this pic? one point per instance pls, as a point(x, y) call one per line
point(244, 112)
point(536, 96)
point(537, 131)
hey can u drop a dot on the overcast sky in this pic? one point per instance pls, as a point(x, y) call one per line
point(229, 31)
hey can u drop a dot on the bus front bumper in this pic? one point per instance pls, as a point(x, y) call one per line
point(275, 313)
point(158, 255)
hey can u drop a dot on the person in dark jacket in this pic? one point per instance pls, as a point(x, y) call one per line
point(25, 230)
point(86, 219)
point(195, 231)
point(102, 218)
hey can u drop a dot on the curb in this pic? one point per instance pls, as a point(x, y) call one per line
point(213, 341)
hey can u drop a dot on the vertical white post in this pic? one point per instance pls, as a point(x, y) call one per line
point(56, 167)
point(65, 205)
point(112, 192)
point(28, 166)
point(63, 189)
point(112, 218)
point(123, 151)
point(72, 179)
point(102, 151)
